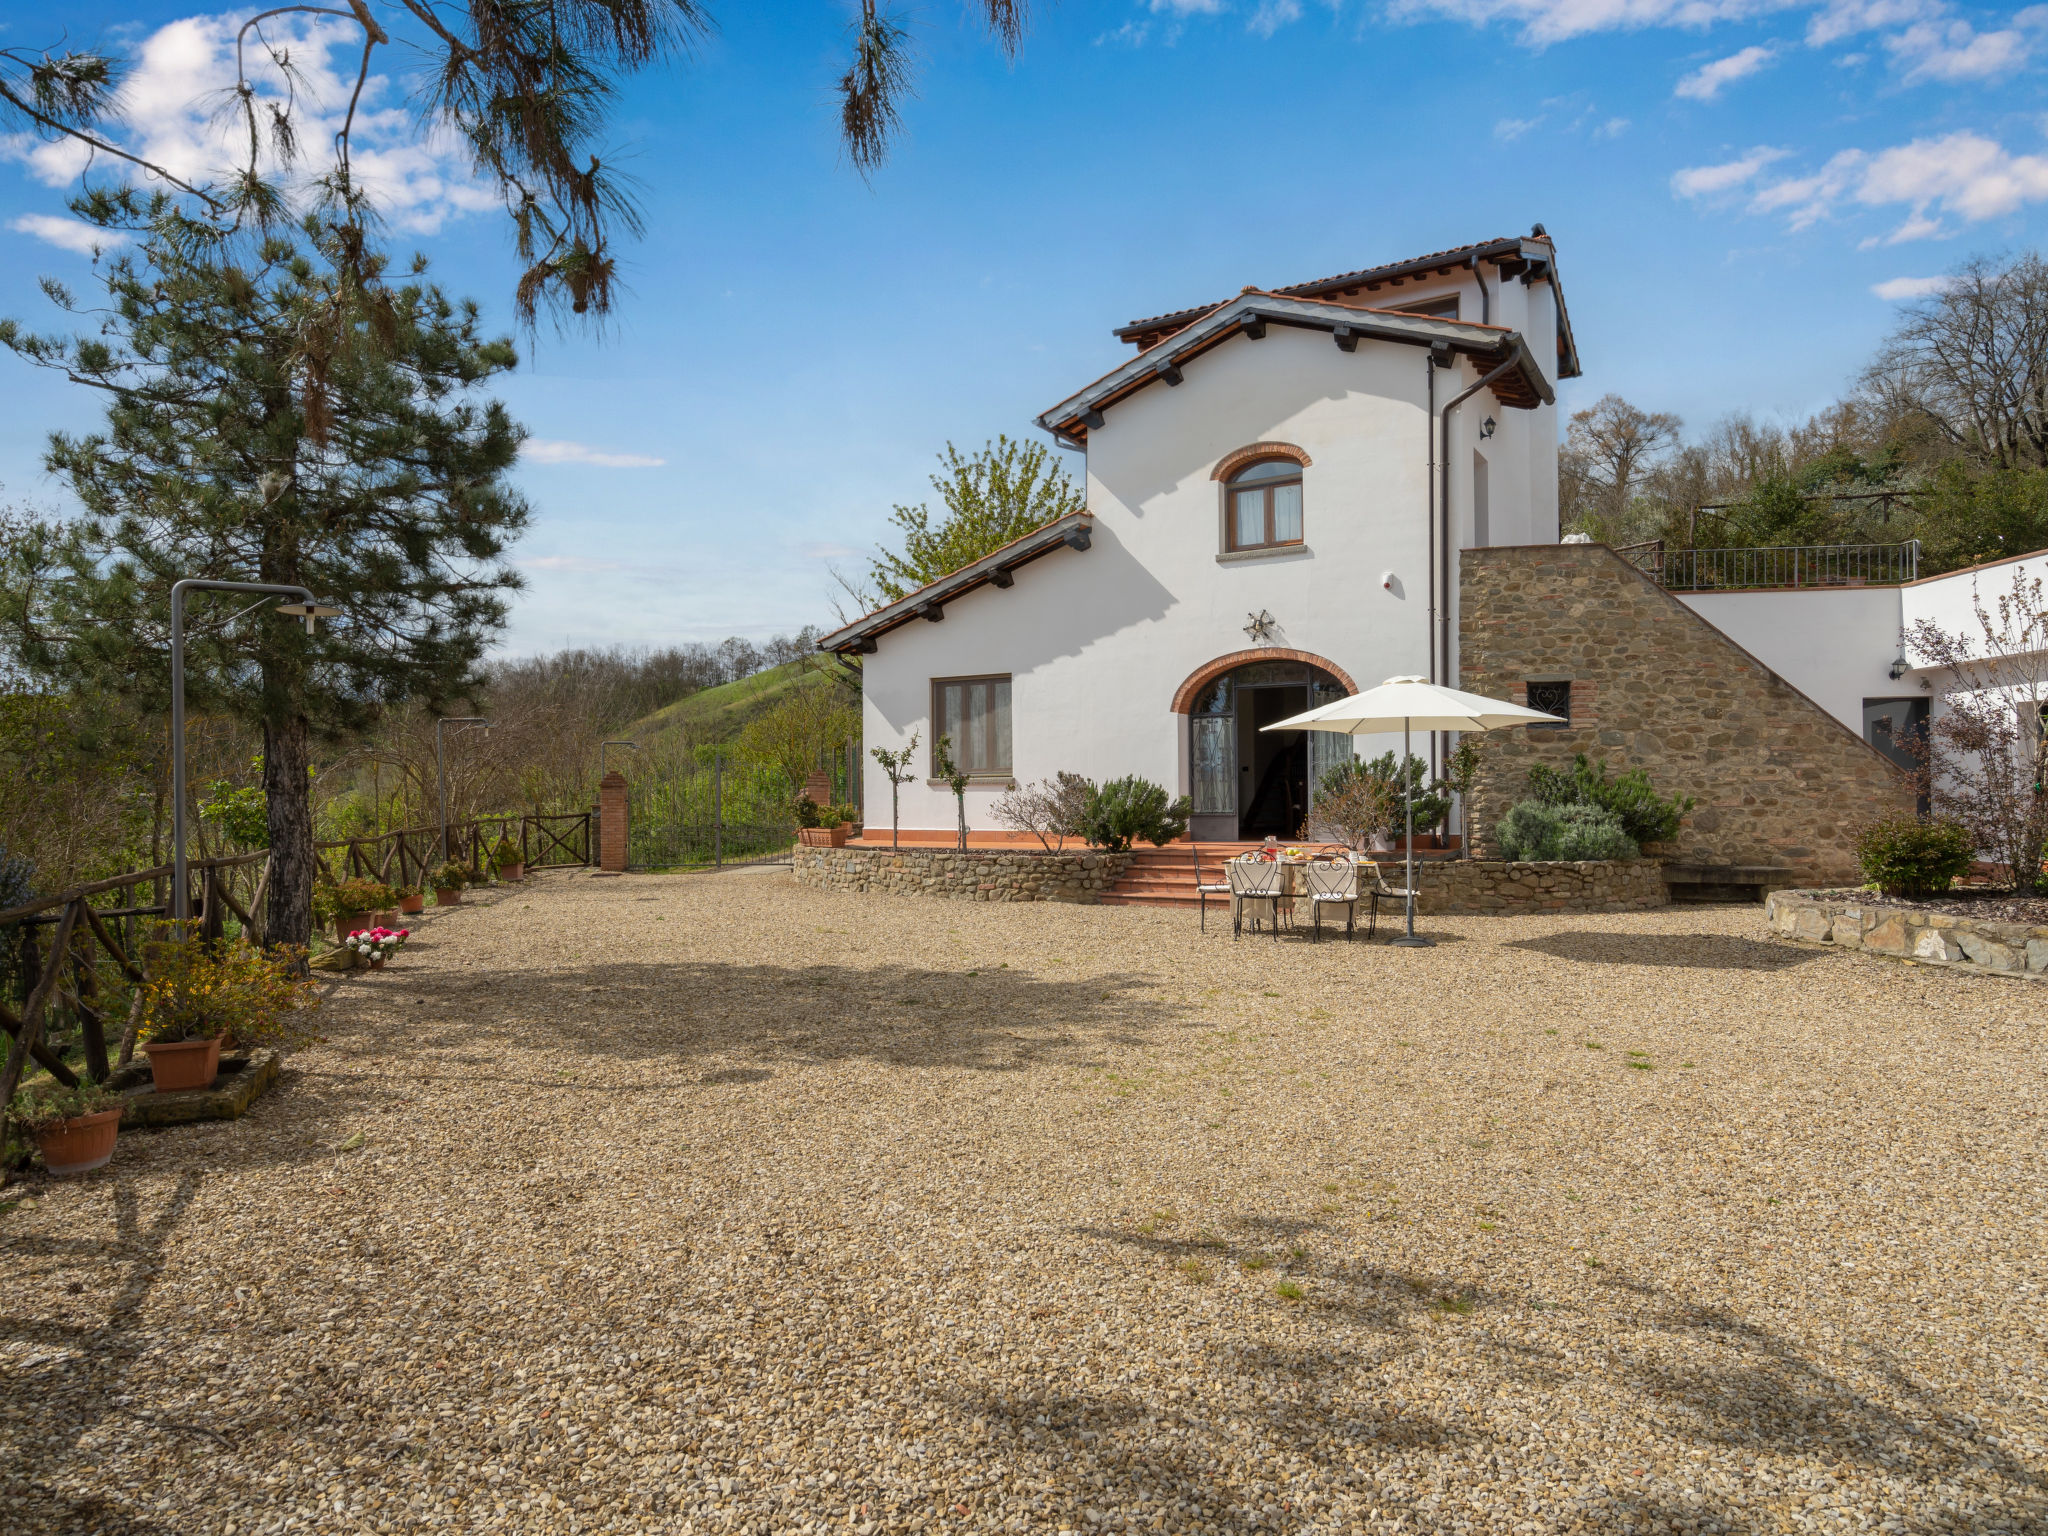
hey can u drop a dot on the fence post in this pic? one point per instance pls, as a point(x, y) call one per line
point(717, 809)
point(611, 799)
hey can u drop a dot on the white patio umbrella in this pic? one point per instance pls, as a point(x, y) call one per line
point(1412, 703)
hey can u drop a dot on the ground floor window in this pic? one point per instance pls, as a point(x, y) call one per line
point(973, 713)
point(1554, 697)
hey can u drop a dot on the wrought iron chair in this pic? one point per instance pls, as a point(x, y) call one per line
point(1332, 881)
point(1204, 890)
point(1254, 884)
point(1378, 892)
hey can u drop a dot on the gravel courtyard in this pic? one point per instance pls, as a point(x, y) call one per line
point(702, 1203)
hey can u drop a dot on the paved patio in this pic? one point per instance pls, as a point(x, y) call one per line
point(698, 1203)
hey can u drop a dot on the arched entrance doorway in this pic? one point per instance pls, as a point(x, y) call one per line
point(1246, 782)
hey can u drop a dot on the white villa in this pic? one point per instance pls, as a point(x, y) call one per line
point(1287, 493)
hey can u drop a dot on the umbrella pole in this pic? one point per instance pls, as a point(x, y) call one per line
point(1409, 939)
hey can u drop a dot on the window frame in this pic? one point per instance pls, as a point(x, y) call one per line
point(938, 722)
point(1529, 687)
point(1231, 491)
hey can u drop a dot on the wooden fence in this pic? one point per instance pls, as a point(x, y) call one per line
point(236, 885)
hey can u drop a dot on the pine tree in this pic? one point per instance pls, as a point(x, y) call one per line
point(362, 467)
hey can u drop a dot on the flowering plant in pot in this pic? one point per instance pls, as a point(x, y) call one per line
point(201, 996)
point(507, 859)
point(411, 900)
point(74, 1128)
point(376, 945)
point(448, 882)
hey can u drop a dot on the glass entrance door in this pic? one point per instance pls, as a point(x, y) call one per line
point(1246, 783)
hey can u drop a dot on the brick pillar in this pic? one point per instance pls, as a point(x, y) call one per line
point(611, 837)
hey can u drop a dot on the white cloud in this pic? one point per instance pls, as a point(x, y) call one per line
point(1897, 289)
point(1846, 18)
point(1190, 7)
point(1271, 16)
point(1960, 175)
point(183, 71)
point(1131, 32)
point(1713, 180)
point(1508, 129)
point(1552, 21)
point(548, 450)
point(68, 234)
point(1613, 128)
point(1707, 82)
point(574, 565)
point(1954, 51)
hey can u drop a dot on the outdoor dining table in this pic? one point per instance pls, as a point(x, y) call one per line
point(1290, 882)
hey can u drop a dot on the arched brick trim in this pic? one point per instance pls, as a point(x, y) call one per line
point(1184, 697)
point(1232, 462)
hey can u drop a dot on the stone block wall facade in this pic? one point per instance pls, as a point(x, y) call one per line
point(979, 874)
point(1944, 938)
point(1779, 781)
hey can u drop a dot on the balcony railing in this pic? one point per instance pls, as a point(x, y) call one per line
point(1781, 567)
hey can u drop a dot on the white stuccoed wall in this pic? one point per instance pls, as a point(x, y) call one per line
point(1097, 643)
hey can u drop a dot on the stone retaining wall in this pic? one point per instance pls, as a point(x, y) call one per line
point(1492, 886)
point(979, 874)
point(1873, 924)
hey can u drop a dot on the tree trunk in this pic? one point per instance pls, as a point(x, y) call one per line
point(287, 792)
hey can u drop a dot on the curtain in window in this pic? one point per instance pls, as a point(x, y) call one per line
point(976, 718)
point(1214, 782)
point(1251, 518)
point(1286, 514)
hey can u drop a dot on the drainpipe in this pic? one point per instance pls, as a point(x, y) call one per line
point(1430, 484)
point(1485, 300)
point(1442, 641)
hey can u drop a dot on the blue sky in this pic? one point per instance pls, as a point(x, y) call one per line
point(1740, 192)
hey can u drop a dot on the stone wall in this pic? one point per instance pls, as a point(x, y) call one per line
point(1779, 781)
point(1452, 887)
point(979, 874)
point(1870, 923)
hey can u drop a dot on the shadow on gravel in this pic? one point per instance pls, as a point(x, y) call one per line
point(1691, 951)
point(688, 1016)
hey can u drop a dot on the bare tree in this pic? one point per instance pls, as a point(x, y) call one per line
point(1972, 363)
point(1988, 750)
point(1611, 448)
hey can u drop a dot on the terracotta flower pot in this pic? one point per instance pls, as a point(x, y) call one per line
point(388, 918)
point(821, 837)
point(182, 1064)
point(412, 906)
point(82, 1144)
point(447, 898)
point(377, 964)
point(511, 871)
point(346, 923)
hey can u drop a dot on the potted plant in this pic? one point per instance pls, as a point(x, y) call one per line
point(448, 882)
point(510, 865)
point(74, 1128)
point(411, 900)
point(376, 945)
point(351, 903)
point(201, 995)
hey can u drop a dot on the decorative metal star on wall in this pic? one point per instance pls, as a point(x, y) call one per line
point(1261, 626)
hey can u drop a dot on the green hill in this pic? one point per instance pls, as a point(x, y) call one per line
point(719, 714)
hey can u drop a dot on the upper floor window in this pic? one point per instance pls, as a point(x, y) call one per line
point(1265, 505)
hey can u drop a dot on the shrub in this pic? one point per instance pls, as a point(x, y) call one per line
point(245, 997)
point(355, 894)
point(1052, 810)
point(1432, 797)
point(1633, 801)
point(1535, 831)
point(1905, 856)
point(830, 816)
point(1126, 809)
point(40, 1105)
point(449, 877)
point(505, 853)
point(806, 811)
point(1353, 807)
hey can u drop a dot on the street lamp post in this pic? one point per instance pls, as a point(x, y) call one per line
point(630, 746)
point(305, 607)
point(441, 766)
